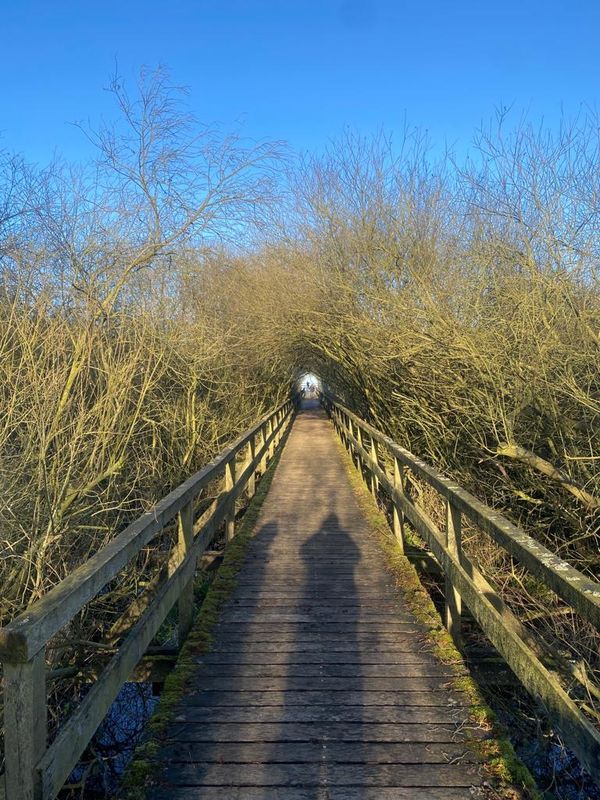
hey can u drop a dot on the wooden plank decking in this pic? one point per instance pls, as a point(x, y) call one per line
point(319, 686)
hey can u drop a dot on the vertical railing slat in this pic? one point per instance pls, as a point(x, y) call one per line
point(374, 462)
point(398, 515)
point(271, 448)
point(454, 545)
point(251, 486)
point(185, 539)
point(261, 443)
point(360, 455)
point(229, 484)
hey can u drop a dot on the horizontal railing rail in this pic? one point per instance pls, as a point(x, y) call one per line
point(35, 770)
point(464, 583)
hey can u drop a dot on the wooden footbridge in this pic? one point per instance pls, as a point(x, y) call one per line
point(320, 684)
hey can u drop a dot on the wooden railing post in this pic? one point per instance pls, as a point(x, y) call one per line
point(269, 432)
point(359, 456)
point(355, 430)
point(348, 432)
point(397, 512)
point(251, 486)
point(374, 462)
point(454, 545)
point(185, 539)
point(229, 484)
point(25, 725)
point(261, 443)
point(287, 416)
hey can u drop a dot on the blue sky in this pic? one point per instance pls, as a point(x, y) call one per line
point(298, 70)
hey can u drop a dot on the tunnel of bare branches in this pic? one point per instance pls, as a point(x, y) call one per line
point(157, 303)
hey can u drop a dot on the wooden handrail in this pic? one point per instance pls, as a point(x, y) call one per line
point(34, 771)
point(464, 583)
point(575, 588)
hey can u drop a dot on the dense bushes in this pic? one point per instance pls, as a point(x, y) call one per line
point(99, 421)
point(152, 307)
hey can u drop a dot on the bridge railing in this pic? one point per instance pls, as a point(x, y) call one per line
point(464, 583)
point(35, 770)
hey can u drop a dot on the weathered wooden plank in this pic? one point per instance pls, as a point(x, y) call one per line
point(347, 645)
point(332, 617)
point(418, 661)
point(323, 586)
point(311, 793)
point(335, 556)
point(317, 606)
point(300, 574)
point(326, 562)
point(426, 687)
point(25, 722)
point(329, 625)
point(289, 697)
point(309, 637)
point(343, 670)
point(257, 731)
point(463, 774)
point(323, 713)
point(313, 752)
point(293, 594)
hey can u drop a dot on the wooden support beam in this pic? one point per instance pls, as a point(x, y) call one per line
point(348, 428)
point(228, 486)
point(453, 599)
point(251, 487)
point(345, 429)
point(359, 456)
point(185, 604)
point(374, 463)
point(261, 445)
point(269, 432)
point(355, 431)
point(25, 726)
point(398, 515)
